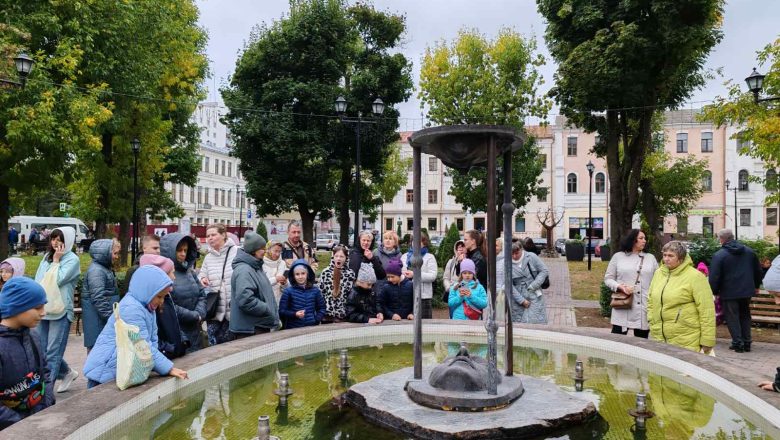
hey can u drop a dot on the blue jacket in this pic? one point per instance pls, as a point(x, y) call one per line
point(252, 302)
point(67, 275)
point(397, 299)
point(297, 297)
point(20, 355)
point(478, 299)
point(189, 296)
point(735, 272)
point(99, 291)
point(147, 282)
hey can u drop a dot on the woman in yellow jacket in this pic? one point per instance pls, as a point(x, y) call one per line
point(681, 310)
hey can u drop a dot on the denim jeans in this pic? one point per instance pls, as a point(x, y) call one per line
point(53, 336)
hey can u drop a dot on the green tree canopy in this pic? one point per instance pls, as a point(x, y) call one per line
point(474, 80)
point(618, 63)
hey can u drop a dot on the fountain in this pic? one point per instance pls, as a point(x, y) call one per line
point(437, 401)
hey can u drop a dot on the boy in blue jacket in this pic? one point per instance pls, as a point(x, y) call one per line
point(302, 303)
point(25, 385)
point(396, 299)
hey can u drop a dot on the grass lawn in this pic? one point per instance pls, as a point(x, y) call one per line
point(584, 284)
point(33, 261)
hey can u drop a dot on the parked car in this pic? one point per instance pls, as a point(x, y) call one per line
point(327, 241)
point(436, 241)
point(540, 244)
point(560, 246)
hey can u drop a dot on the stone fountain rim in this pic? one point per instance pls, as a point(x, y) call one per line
point(97, 412)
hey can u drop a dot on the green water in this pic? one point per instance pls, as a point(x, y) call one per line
point(230, 410)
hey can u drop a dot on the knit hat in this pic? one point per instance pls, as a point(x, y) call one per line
point(20, 295)
point(366, 273)
point(156, 260)
point(252, 242)
point(393, 267)
point(467, 266)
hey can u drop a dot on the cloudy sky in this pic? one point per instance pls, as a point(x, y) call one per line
point(749, 25)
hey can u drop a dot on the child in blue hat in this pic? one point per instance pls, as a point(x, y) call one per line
point(25, 388)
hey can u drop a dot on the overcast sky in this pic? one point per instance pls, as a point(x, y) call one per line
point(749, 25)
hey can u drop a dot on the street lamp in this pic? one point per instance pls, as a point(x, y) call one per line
point(755, 83)
point(24, 65)
point(590, 168)
point(377, 107)
point(240, 194)
point(736, 220)
point(135, 144)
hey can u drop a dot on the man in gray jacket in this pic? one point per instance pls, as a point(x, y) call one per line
point(253, 307)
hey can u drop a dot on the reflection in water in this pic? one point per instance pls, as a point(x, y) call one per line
point(317, 411)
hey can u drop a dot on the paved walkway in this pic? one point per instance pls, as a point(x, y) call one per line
point(560, 309)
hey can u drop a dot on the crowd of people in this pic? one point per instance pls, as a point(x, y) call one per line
point(265, 286)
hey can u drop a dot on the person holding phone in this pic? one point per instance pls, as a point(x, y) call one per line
point(295, 248)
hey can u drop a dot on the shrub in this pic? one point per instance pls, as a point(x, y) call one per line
point(446, 247)
point(263, 232)
point(438, 291)
point(605, 298)
point(702, 250)
point(764, 250)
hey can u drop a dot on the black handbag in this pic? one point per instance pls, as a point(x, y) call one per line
point(212, 298)
point(545, 283)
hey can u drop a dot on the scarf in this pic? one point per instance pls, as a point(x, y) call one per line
point(423, 251)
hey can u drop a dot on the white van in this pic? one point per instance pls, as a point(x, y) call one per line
point(25, 223)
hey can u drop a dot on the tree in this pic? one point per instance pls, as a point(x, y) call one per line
point(618, 63)
point(45, 124)
point(549, 219)
point(447, 246)
point(760, 123)
point(476, 81)
point(311, 157)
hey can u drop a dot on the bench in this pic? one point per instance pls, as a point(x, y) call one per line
point(763, 309)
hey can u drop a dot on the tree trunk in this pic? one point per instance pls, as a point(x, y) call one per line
point(343, 205)
point(124, 239)
point(5, 204)
point(651, 215)
point(103, 200)
point(307, 224)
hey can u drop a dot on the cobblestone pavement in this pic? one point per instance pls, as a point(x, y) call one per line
point(560, 309)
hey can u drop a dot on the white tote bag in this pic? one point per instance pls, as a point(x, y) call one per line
point(54, 303)
point(133, 355)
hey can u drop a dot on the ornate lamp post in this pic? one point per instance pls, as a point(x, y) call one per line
point(755, 83)
point(135, 144)
point(590, 168)
point(736, 219)
point(377, 108)
point(24, 65)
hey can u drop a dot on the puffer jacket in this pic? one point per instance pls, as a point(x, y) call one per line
point(477, 300)
point(20, 354)
point(429, 270)
point(273, 269)
point(189, 296)
point(99, 291)
point(362, 305)
point(147, 282)
point(735, 272)
point(335, 304)
point(252, 303)
point(397, 299)
point(296, 297)
point(356, 257)
point(681, 309)
point(67, 274)
point(480, 262)
point(682, 408)
point(212, 269)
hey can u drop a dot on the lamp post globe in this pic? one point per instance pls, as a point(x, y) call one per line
point(341, 105)
point(755, 81)
point(378, 107)
point(24, 65)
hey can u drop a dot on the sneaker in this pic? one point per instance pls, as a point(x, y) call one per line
point(747, 348)
point(67, 381)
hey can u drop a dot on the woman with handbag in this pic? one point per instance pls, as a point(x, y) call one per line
point(628, 276)
point(467, 296)
point(215, 273)
point(189, 296)
point(529, 273)
point(58, 273)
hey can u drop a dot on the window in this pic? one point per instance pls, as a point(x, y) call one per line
point(596, 141)
point(708, 226)
point(771, 216)
point(706, 142)
point(388, 223)
point(200, 193)
point(459, 223)
point(771, 180)
point(181, 192)
point(230, 198)
point(601, 183)
point(543, 160)
point(409, 224)
point(433, 164)
point(682, 224)
point(238, 199)
point(742, 143)
point(743, 180)
point(519, 224)
point(173, 191)
point(541, 194)
point(216, 166)
point(205, 195)
point(571, 146)
point(744, 217)
point(682, 142)
point(431, 224)
point(571, 183)
point(658, 141)
point(192, 194)
point(222, 202)
point(230, 169)
point(207, 165)
point(706, 181)
point(409, 195)
point(433, 196)
point(479, 223)
point(223, 167)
